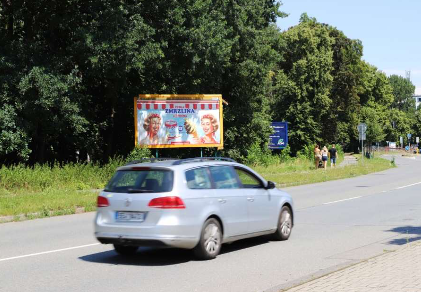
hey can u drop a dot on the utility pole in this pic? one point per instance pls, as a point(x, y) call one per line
point(408, 75)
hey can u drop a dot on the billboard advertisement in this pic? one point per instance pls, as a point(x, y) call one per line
point(279, 138)
point(176, 120)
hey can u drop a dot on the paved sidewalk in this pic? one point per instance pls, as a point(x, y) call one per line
point(395, 271)
point(348, 160)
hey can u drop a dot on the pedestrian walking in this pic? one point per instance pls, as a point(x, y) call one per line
point(332, 154)
point(317, 156)
point(324, 156)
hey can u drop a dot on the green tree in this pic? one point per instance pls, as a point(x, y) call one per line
point(68, 101)
point(400, 124)
point(40, 89)
point(342, 120)
point(13, 141)
point(375, 125)
point(375, 99)
point(248, 77)
point(103, 53)
point(417, 124)
point(305, 82)
point(403, 90)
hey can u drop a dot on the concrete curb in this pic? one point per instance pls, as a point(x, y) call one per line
point(22, 217)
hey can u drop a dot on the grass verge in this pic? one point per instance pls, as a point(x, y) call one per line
point(298, 173)
point(28, 193)
point(24, 205)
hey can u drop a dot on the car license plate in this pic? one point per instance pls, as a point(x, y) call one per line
point(130, 216)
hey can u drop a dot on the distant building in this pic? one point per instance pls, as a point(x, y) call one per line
point(417, 100)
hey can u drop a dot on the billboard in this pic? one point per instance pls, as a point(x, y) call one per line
point(279, 139)
point(178, 120)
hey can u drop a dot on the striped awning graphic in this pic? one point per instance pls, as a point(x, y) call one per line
point(188, 104)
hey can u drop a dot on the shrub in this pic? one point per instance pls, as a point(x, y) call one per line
point(258, 155)
point(138, 153)
point(340, 150)
point(285, 154)
point(307, 152)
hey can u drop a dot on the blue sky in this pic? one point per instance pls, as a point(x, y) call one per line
point(389, 29)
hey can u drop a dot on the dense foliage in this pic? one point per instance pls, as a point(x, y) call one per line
point(69, 70)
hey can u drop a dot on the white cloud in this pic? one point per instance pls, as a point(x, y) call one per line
point(418, 90)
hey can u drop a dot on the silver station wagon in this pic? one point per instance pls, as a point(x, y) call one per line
point(195, 203)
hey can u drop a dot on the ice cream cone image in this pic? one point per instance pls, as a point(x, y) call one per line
point(191, 128)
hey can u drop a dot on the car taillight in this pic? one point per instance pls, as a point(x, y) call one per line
point(167, 203)
point(102, 202)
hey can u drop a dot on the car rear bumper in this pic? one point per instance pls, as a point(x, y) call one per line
point(167, 231)
point(138, 240)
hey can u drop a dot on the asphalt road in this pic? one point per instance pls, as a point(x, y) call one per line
point(338, 223)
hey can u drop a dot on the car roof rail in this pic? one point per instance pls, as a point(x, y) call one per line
point(202, 159)
point(150, 159)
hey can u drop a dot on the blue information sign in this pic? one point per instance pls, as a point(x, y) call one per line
point(279, 139)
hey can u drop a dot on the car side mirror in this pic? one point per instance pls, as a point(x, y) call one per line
point(270, 185)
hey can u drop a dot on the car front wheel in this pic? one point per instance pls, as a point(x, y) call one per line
point(125, 249)
point(210, 242)
point(284, 228)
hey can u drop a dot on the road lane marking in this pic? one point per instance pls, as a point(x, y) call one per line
point(47, 252)
point(342, 200)
point(408, 186)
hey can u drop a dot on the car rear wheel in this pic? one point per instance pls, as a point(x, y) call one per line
point(125, 249)
point(210, 242)
point(284, 224)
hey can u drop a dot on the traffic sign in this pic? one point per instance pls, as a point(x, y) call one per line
point(417, 139)
point(407, 148)
point(362, 128)
point(409, 136)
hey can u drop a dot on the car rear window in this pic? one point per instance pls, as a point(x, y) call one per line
point(141, 181)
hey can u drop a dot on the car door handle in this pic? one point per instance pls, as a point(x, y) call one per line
point(250, 199)
point(222, 201)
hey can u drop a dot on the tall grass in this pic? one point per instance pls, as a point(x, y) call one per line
point(42, 190)
point(45, 203)
point(71, 176)
point(302, 171)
